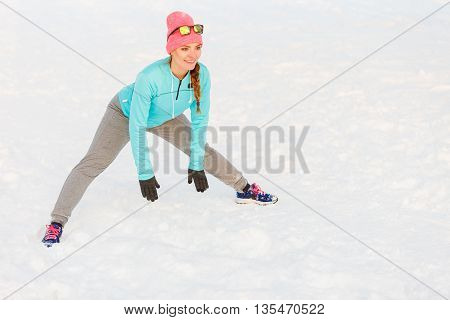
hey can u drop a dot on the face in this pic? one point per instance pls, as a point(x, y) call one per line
point(186, 57)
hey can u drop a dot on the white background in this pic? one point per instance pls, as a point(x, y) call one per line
point(378, 151)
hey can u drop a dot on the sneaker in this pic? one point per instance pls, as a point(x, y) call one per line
point(254, 194)
point(52, 234)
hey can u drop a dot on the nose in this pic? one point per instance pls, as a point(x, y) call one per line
point(193, 53)
point(191, 58)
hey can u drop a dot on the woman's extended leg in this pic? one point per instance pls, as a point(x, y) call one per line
point(110, 138)
point(178, 132)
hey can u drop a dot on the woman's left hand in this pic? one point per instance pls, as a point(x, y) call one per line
point(199, 177)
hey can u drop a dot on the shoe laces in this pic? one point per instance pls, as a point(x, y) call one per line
point(259, 193)
point(52, 232)
point(257, 189)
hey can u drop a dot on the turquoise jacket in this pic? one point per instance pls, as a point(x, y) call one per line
point(158, 96)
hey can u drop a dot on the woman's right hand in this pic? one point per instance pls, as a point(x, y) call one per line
point(148, 188)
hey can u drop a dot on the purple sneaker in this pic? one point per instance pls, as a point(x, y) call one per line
point(255, 195)
point(52, 234)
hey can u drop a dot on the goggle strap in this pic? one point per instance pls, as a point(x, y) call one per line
point(199, 31)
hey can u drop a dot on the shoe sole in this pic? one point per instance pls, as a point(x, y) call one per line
point(248, 201)
point(48, 244)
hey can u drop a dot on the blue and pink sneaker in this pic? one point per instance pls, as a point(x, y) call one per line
point(254, 194)
point(52, 234)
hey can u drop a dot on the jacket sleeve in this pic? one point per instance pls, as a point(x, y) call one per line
point(199, 123)
point(139, 110)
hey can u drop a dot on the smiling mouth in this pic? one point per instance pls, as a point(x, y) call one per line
point(189, 61)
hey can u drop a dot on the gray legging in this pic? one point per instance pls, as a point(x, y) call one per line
point(111, 136)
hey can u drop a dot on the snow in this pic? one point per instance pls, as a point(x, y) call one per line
point(378, 152)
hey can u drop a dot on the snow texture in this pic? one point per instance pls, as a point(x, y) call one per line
point(378, 152)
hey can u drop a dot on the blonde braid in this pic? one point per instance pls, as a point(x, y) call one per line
point(195, 80)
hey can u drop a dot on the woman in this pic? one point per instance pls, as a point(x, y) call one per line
point(155, 103)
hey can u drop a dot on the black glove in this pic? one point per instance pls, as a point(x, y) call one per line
point(148, 188)
point(201, 183)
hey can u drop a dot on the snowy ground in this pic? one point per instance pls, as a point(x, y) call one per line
point(378, 151)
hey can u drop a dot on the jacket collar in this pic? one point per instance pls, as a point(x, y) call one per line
point(187, 76)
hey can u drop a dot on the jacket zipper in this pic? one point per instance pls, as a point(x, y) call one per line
point(173, 102)
point(178, 91)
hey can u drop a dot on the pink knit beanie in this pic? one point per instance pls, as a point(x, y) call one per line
point(175, 20)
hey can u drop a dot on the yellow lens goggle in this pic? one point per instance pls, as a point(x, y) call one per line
point(185, 30)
